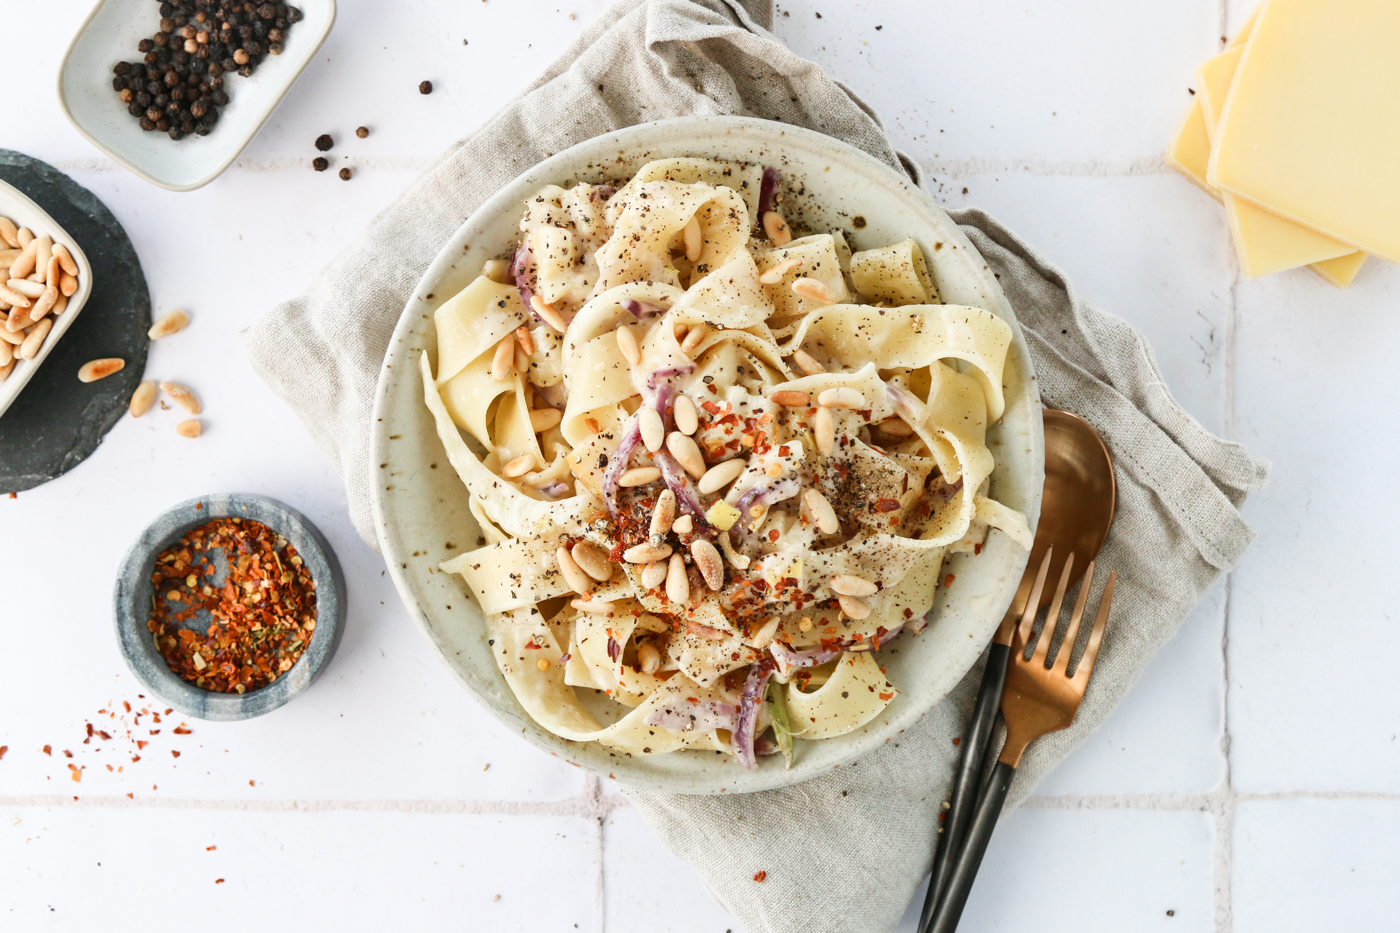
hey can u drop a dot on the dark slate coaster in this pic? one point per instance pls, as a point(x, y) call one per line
point(57, 421)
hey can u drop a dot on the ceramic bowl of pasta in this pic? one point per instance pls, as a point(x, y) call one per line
point(709, 454)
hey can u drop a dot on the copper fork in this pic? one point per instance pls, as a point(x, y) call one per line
point(1041, 697)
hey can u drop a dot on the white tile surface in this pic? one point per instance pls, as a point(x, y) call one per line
point(1317, 865)
point(1053, 118)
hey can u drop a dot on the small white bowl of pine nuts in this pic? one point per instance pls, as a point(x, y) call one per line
point(45, 280)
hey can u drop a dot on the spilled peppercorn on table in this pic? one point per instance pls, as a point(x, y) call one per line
point(389, 793)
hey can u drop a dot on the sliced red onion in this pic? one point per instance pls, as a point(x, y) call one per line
point(749, 702)
point(555, 490)
point(765, 747)
point(603, 191)
point(691, 717)
point(768, 191)
point(642, 310)
point(617, 464)
point(520, 270)
point(660, 376)
point(768, 494)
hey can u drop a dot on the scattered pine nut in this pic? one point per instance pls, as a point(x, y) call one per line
point(169, 324)
point(853, 607)
point(646, 553)
point(25, 236)
point(822, 512)
point(686, 415)
point(664, 515)
point(679, 331)
point(776, 228)
point(519, 466)
point(791, 398)
point(190, 428)
point(652, 427)
point(677, 583)
point(841, 397)
point(13, 298)
point(181, 396)
point(542, 419)
point(654, 574)
point(775, 275)
point(24, 263)
point(43, 252)
point(30, 348)
point(721, 475)
point(694, 337)
point(522, 361)
point(708, 562)
point(825, 429)
point(694, 241)
point(548, 314)
point(592, 560)
point(46, 303)
point(503, 363)
point(765, 634)
point(687, 453)
point(526, 339)
point(648, 658)
point(142, 399)
point(848, 584)
point(596, 606)
point(25, 287)
point(101, 369)
point(814, 290)
point(65, 259)
point(573, 575)
point(627, 343)
point(497, 270)
point(639, 476)
point(683, 525)
point(55, 274)
point(9, 232)
point(807, 363)
point(896, 427)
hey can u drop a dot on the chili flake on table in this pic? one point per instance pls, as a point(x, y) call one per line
point(264, 612)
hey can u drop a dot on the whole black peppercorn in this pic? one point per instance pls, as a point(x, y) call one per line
point(275, 48)
point(145, 45)
point(220, 98)
point(202, 53)
point(425, 88)
point(203, 129)
point(152, 58)
point(362, 132)
point(167, 24)
point(119, 83)
point(176, 133)
point(294, 14)
point(159, 102)
point(199, 108)
point(167, 9)
point(135, 109)
point(345, 174)
point(228, 64)
point(246, 71)
point(274, 35)
point(154, 113)
point(267, 11)
point(324, 142)
point(216, 69)
point(162, 124)
point(160, 40)
point(171, 79)
point(147, 124)
point(144, 100)
point(121, 68)
point(320, 164)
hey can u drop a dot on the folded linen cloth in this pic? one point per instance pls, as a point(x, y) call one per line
point(845, 852)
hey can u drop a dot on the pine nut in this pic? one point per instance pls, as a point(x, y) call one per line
point(639, 476)
point(9, 233)
point(814, 290)
point(822, 512)
point(848, 584)
point(13, 298)
point(653, 428)
point(522, 361)
point(721, 475)
point(646, 553)
point(776, 228)
point(708, 561)
point(191, 428)
point(142, 399)
point(592, 560)
point(7, 353)
point(24, 263)
point(181, 396)
point(100, 369)
point(497, 270)
point(61, 304)
point(677, 583)
point(45, 304)
point(525, 339)
point(43, 252)
point(694, 337)
point(8, 256)
point(68, 284)
point(542, 419)
point(65, 259)
point(30, 348)
point(6, 369)
point(791, 398)
point(679, 331)
point(896, 427)
point(841, 397)
point(765, 633)
point(55, 274)
point(548, 314)
point(687, 418)
point(853, 607)
point(503, 363)
point(664, 514)
point(825, 429)
point(687, 453)
point(683, 525)
point(693, 240)
point(775, 275)
point(15, 337)
point(26, 288)
point(519, 466)
point(574, 577)
point(654, 574)
point(627, 343)
point(25, 236)
point(596, 606)
point(807, 363)
point(648, 658)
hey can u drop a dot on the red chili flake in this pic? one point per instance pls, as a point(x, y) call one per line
point(948, 580)
point(48, 750)
point(3, 750)
point(886, 505)
point(976, 549)
point(76, 773)
point(127, 705)
point(104, 735)
point(783, 451)
point(142, 743)
point(957, 740)
point(135, 758)
point(218, 881)
point(210, 848)
point(263, 613)
point(130, 795)
point(887, 697)
point(942, 815)
point(174, 753)
point(181, 730)
point(760, 876)
point(67, 753)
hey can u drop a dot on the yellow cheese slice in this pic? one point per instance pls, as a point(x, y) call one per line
point(1213, 84)
point(1341, 271)
point(1242, 36)
point(1310, 127)
point(1189, 152)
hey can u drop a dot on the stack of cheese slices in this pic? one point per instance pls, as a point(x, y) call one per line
point(1295, 129)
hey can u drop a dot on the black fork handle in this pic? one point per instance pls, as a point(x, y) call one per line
point(950, 910)
point(968, 779)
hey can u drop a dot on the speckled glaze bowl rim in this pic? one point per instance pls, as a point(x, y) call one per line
point(957, 639)
point(133, 591)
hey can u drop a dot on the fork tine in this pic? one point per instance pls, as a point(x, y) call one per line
point(1072, 635)
point(1052, 618)
point(1091, 651)
point(1033, 601)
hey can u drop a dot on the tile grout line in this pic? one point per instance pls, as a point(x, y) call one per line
point(593, 793)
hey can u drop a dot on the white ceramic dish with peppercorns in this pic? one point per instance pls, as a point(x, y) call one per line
point(111, 34)
point(25, 213)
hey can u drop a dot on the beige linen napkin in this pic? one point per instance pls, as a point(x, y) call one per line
point(845, 852)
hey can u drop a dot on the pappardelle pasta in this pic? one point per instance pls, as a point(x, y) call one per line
point(716, 468)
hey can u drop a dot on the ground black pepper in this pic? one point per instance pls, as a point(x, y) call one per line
point(178, 86)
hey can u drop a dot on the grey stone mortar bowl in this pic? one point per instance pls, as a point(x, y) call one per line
point(133, 602)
